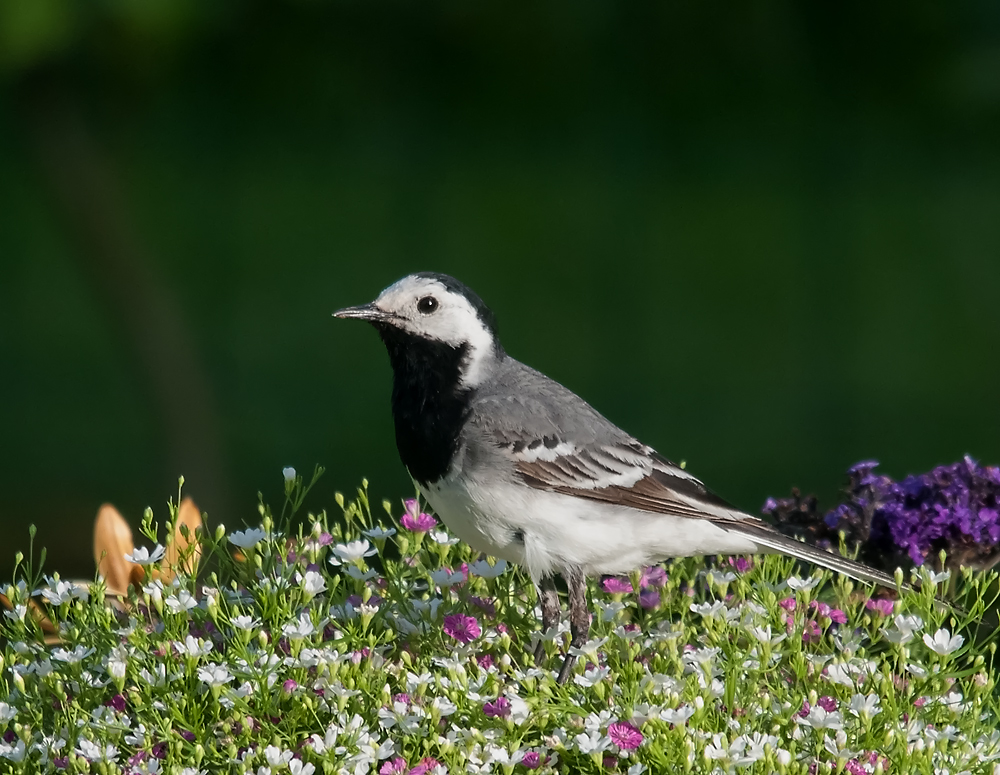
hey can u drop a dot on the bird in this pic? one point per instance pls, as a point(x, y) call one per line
point(522, 469)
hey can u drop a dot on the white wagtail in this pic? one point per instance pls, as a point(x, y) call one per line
point(523, 469)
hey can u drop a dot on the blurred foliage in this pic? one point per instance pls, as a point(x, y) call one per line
point(764, 240)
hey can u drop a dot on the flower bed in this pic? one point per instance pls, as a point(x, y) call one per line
point(371, 644)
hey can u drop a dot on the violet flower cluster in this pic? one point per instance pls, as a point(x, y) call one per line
point(954, 508)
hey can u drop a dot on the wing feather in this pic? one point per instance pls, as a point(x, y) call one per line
point(633, 475)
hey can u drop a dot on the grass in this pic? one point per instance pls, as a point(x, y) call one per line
point(356, 645)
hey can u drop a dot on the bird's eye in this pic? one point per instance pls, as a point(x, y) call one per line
point(427, 305)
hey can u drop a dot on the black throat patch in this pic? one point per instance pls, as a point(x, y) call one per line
point(429, 404)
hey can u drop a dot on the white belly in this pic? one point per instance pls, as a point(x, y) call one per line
point(561, 532)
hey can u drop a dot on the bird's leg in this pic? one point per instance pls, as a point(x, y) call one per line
point(579, 618)
point(548, 599)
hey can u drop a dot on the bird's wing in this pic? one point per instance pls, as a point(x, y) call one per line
point(625, 472)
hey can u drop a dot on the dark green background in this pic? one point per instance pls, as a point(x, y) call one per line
point(763, 237)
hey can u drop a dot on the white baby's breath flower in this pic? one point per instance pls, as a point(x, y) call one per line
point(78, 654)
point(443, 706)
point(298, 767)
point(661, 683)
point(864, 706)
point(93, 752)
point(484, 570)
point(839, 674)
point(300, 628)
point(14, 752)
point(118, 662)
point(244, 622)
point(141, 555)
point(444, 578)
point(214, 675)
point(822, 719)
point(351, 551)
point(277, 757)
point(378, 532)
point(7, 713)
point(181, 602)
point(519, 709)
point(193, 647)
point(247, 539)
point(442, 537)
point(356, 573)
point(312, 583)
point(943, 642)
point(803, 585)
point(677, 716)
point(289, 473)
point(588, 649)
point(763, 634)
point(17, 614)
point(610, 609)
point(58, 592)
point(592, 676)
point(707, 609)
point(592, 742)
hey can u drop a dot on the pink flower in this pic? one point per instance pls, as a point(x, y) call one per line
point(788, 603)
point(485, 661)
point(415, 520)
point(741, 564)
point(811, 633)
point(462, 628)
point(882, 607)
point(531, 760)
point(499, 708)
point(821, 608)
point(838, 616)
point(653, 576)
point(625, 735)
point(427, 764)
point(827, 703)
point(615, 585)
point(396, 766)
point(805, 709)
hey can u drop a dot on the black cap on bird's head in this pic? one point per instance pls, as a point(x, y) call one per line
point(436, 308)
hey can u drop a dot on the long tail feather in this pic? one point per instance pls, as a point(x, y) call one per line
point(779, 542)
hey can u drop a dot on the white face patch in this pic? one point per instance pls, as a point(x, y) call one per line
point(425, 307)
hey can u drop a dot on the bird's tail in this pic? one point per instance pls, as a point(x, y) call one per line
point(771, 539)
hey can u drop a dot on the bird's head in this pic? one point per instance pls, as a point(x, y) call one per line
point(436, 309)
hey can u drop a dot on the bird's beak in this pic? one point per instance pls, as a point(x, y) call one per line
point(367, 312)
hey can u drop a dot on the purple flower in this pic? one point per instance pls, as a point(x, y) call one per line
point(531, 760)
point(499, 708)
point(289, 686)
point(827, 703)
point(625, 735)
point(653, 576)
point(415, 520)
point(462, 628)
point(741, 564)
point(484, 605)
point(616, 585)
point(649, 598)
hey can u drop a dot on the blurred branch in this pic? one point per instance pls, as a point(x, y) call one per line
point(88, 199)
